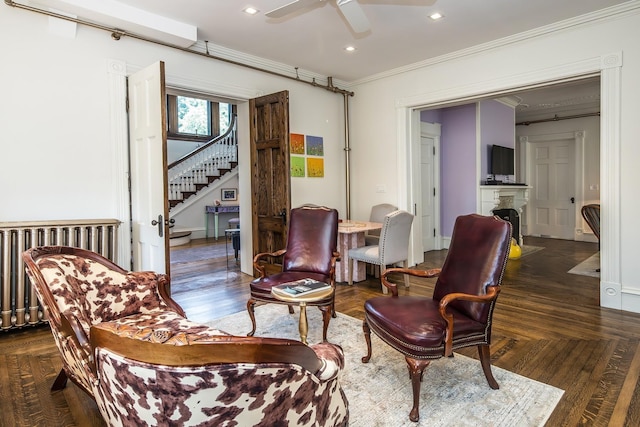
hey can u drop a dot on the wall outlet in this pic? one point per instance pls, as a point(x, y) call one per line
point(380, 188)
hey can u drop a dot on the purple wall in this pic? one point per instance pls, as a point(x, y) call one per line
point(497, 126)
point(458, 166)
point(431, 116)
point(458, 177)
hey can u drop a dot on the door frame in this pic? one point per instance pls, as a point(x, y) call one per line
point(609, 68)
point(117, 72)
point(526, 143)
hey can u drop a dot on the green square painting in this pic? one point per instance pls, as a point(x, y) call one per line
point(297, 166)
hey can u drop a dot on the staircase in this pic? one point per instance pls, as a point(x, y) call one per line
point(202, 167)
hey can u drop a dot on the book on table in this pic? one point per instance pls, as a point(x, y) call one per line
point(302, 287)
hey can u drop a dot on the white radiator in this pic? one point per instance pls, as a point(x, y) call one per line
point(18, 302)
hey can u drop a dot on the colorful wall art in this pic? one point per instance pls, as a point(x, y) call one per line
point(315, 146)
point(306, 156)
point(297, 143)
point(297, 166)
point(315, 167)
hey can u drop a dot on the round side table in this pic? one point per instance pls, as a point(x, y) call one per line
point(302, 301)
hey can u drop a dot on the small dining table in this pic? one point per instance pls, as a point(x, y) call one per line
point(351, 235)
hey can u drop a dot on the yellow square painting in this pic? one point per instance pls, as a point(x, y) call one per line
point(315, 167)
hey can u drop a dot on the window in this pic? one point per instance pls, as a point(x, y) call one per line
point(193, 116)
point(196, 119)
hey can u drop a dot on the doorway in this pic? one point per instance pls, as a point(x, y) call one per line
point(610, 77)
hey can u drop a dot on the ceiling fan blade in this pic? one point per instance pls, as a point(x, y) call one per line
point(289, 8)
point(354, 15)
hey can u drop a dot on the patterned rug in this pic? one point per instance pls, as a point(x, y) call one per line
point(588, 267)
point(454, 390)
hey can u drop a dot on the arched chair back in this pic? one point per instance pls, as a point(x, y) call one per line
point(378, 212)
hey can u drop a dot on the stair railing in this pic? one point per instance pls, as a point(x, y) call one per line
point(200, 167)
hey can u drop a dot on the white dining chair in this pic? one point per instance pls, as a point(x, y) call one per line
point(378, 212)
point(392, 249)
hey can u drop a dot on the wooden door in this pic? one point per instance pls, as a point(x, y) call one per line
point(553, 178)
point(270, 179)
point(147, 151)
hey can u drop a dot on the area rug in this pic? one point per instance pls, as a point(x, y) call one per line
point(454, 390)
point(588, 267)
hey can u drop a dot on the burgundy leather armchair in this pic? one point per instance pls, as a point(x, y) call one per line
point(459, 314)
point(310, 253)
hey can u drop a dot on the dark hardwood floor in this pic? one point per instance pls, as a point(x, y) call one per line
point(548, 326)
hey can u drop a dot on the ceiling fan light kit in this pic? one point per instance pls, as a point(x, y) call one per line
point(350, 9)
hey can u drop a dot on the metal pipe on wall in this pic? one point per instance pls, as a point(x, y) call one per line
point(557, 118)
point(117, 34)
point(347, 150)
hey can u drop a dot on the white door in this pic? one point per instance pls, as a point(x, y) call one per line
point(147, 151)
point(552, 167)
point(427, 188)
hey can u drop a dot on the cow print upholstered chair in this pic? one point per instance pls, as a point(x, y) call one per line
point(127, 344)
point(80, 288)
point(150, 377)
point(459, 314)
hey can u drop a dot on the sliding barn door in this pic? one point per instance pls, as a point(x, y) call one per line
point(270, 181)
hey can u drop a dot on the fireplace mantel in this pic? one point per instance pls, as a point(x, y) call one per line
point(504, 197)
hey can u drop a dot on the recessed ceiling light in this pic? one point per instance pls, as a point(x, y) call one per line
point(350, 48)
point(436, 16)
point(250, 10)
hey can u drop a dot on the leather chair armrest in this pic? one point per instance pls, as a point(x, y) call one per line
point(434, 272)
point(260, 256)
point(491, 295)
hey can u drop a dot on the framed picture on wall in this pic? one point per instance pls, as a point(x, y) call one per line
point(229, 194)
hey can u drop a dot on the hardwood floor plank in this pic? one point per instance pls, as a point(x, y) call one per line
point(629, 391)
point(547, 326)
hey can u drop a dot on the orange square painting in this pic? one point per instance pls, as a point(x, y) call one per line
point(315, 167)
point(297, 143)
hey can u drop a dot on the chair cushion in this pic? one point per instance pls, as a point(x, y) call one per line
point(413, 325)
point(166, 327)
point(369, 254)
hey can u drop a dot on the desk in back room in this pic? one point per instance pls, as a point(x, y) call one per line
point(227, 210)
point(351, 235)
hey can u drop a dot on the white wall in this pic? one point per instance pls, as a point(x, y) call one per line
point(59, 160)
point(610, 46)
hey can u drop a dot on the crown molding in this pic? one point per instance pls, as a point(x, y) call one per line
point(614, 12)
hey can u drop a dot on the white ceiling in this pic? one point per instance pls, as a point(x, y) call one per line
point(314, 38)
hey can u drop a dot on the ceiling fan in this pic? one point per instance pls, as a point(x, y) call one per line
point(350, 9)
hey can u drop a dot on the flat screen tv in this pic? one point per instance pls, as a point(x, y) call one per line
point(502, 160)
